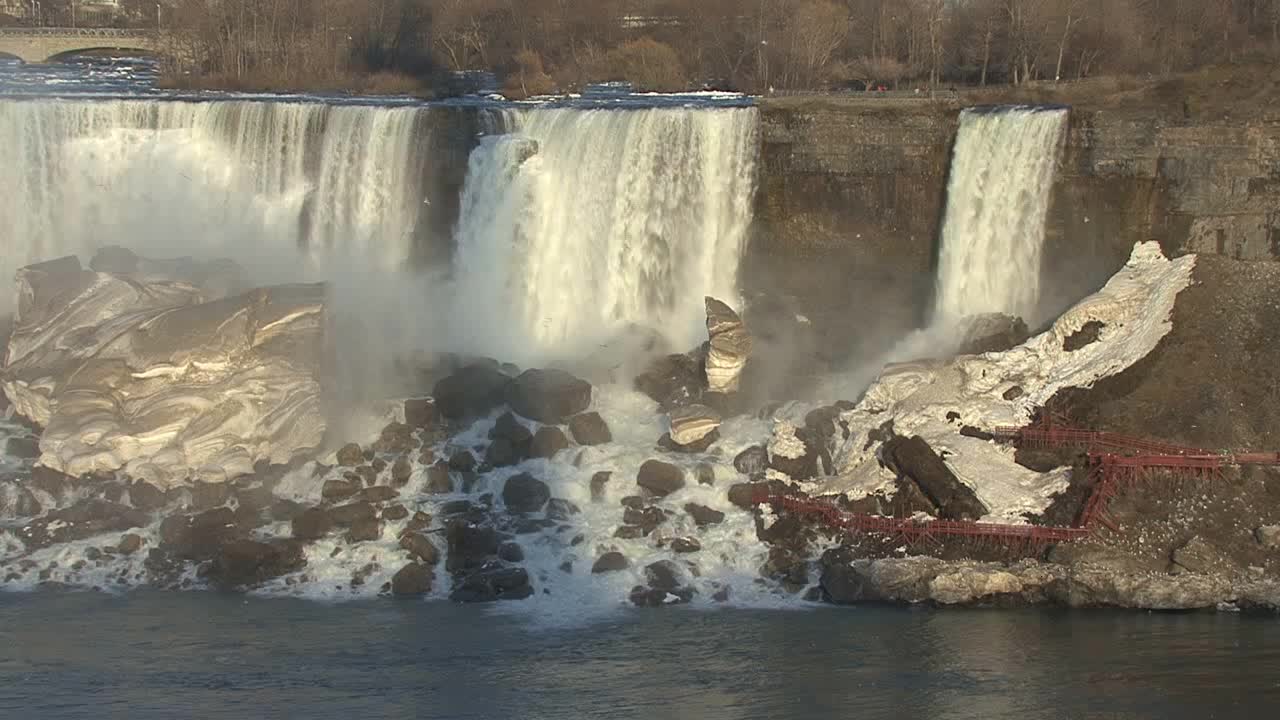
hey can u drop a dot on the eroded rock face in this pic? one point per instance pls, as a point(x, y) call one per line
point(730, 347)
point(163, 375)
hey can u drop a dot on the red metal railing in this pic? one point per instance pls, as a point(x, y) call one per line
point(1126, 460)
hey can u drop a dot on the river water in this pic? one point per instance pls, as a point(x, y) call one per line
point(167, 655)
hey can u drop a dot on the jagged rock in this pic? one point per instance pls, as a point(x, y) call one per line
point(524, 493)
point(129, 544)
point(791, 454)
point(673, 381)
point(663, 575)
point(703, 515)
point(438, 480)
point(561, 509)
point(395, 513)
point(85, 519)
point(378, 494)
point(1199, 556)
point(1268, 536)
point(350, 455)
point(412, 580)
point(16, 501)
point(364, 530)
point(914, 459)
point(752, 461)
point(469, 546)
point(646, 520)
point(589, 429)
point(511, 552)
point(492, 585)
point(686, 545)
point(473, 391)
point(401, 471)
point(421, 413)
point(692, 423)
point(548, 396)
point(338, 490)
point(249, 563)
point(396, 438)
point(992, 332)
point(660, 478)
point(548, 441)
point(420, 547)
point(610, 562)
point(729, 349)
point(348, 515)
point(23, 448)
point(598, 483)
point(311, 524)
point(667, 443)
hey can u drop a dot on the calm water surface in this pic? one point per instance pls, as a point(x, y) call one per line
point(205, 655)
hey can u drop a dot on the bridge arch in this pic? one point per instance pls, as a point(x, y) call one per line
point(37, 45)
point(112, 50)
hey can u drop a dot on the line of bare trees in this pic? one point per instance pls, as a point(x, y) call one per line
point(542, 45)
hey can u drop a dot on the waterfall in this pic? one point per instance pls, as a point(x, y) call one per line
point(1002, 173)
point(254, 181)
point(579, 224)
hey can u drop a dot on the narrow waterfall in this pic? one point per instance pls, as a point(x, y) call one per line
point(1002, 173)
point(255, 181)
point(579, 224)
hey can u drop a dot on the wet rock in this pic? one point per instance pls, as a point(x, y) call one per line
point(548, 441)
point(419, 521)
point(660, 478)
point(634, 502)
point(598, 483)
point(706, 474)
point(629, 532)
point(365, 475)
point(469, 546)
point(524, 493)
point(421, 413)
point(473, 391)
point(666, 443)
point(198, 537)
point(24, 448)
point(1268, 536)
point(16, 501)
point(129, 544)
point(206, 496)
point(511, 552)
point(529, 526)
point(438, 480)
point(401, 471)
point(746, 495)
point(378, 494)
point(364, 530)
point(752, 461)
point(1013, 393)
point(610, 562)
point(412, 580)
point(793, 454)
point(548, 396)
point(686, 545)
point(338, 490)
point(83, 520)
point(973, 432)
point(654, 597)
point(51, 481)
point(913, 458)
point(311, 524)
point(396, 438)
point(492, 585)
point(245, 563)
point(1199, 556)
point(691, 423)
point(395, 513)
point(673, 381)
point(350, 455)
point(1087, 335)
point(730, 347)
point(421, 548)
point(349, 515)
point(703, 515)
point(722, 595)
point(589, 429)
point(145, 496)
point(462, 461)
point(992, 332)
point(647, 519)
point(561, 509)
point(663, 575)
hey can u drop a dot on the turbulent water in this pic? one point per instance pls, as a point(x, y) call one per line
point(1002, 173)
point(578, 224)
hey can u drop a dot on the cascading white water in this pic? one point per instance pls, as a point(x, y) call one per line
point(250, 180)
point(579, 223)
point(1002, 172)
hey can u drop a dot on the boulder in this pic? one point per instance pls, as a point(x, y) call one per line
point(244, 563)
point(438, 480)
point(378, 494)
point(350, 455)
point(703, 515)
point(706, 474)
point(991, 332)
point(642, 596)
point(511, 552)
point(610, 562)
point(686, 545)
point(462, 461)
point(200, 536)
point(753, 461)
point(1268, 536)
point(469, 546)
point(364, 530)
point(1200, 556)
point(129, 544)
point(548, 396)
point(16, 501)
point(311, 524)
point(660, 478)
point(730, 347)
point(401, 471)
point(548, 441)
point(589, 429)
point(421, 548)
point(412, 580)
point(561, 509)
point(83, 520)
point(421, 413)
point(473, 391)
point(338, 490)
point(673, 381)
point(645, 520)
point(692, 423)
point(524, 493)
point(395, 513)
point(667, 443)
point(511, 444)
point(598, 483)
point(913, 458)
point(352, 513)
point(663, 575)
point(492, 585)
point(396, 438)
point(793, 454)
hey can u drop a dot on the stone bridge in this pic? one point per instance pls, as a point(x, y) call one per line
point(35, 45)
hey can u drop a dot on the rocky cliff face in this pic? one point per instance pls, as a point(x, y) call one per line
point(856, 188)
